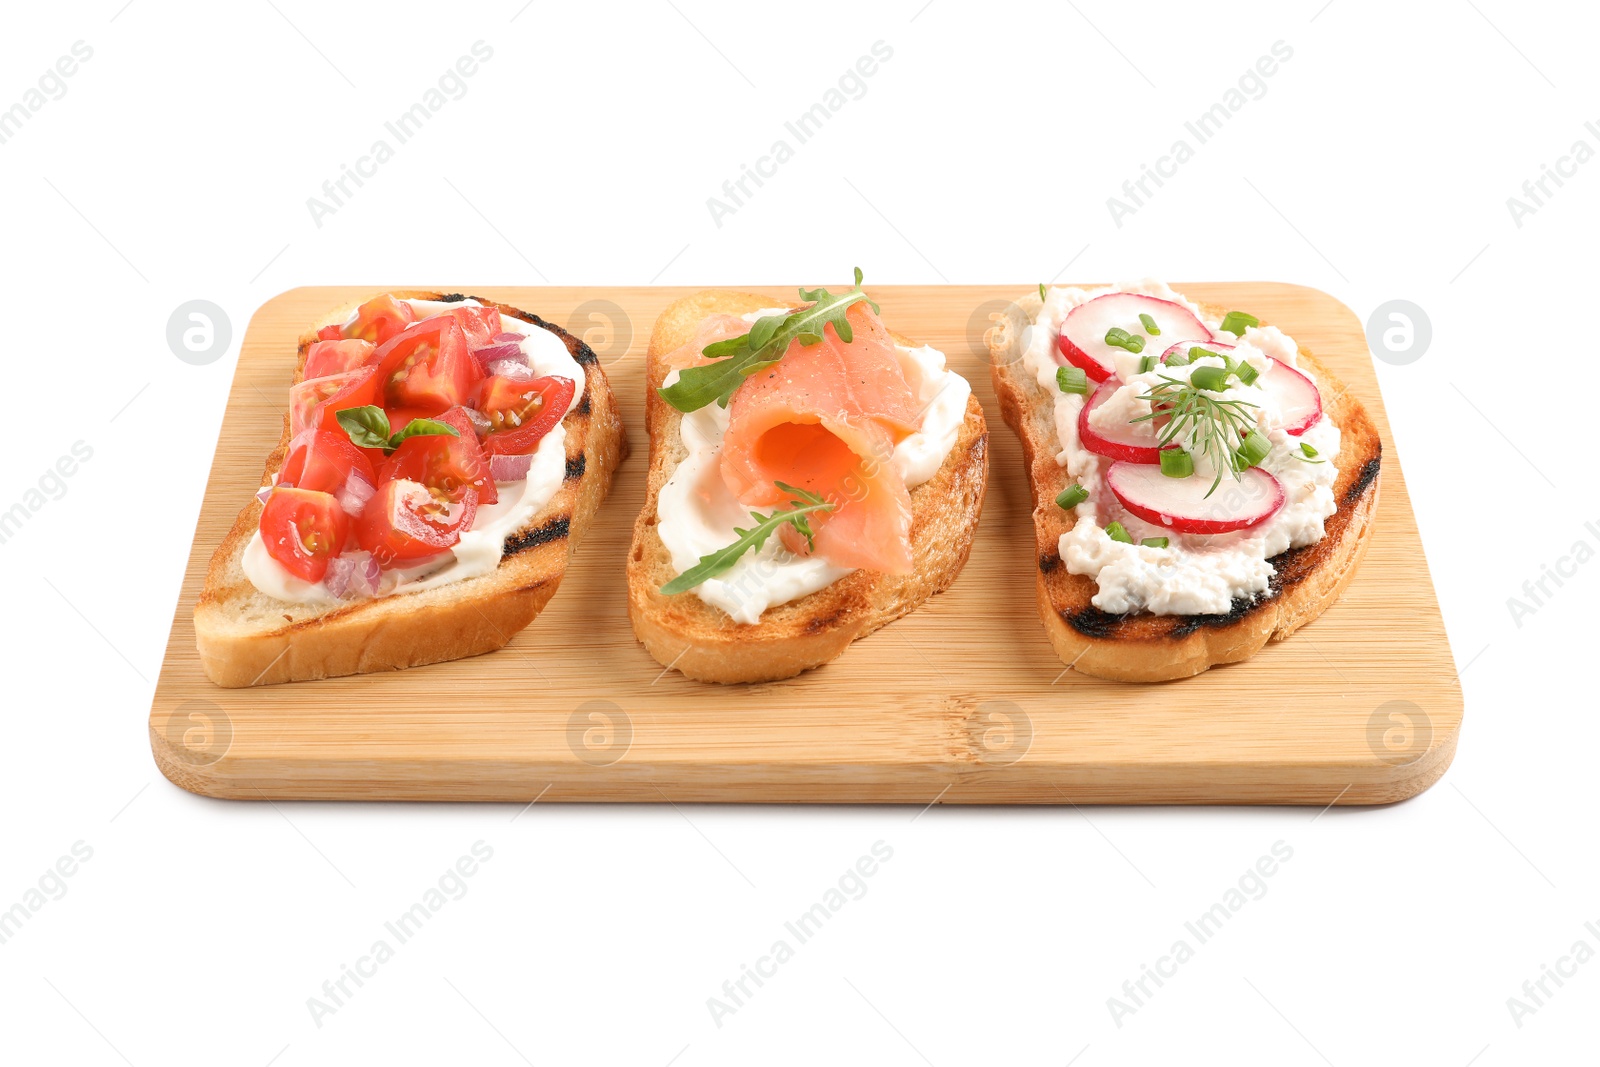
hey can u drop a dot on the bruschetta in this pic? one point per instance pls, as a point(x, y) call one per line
point(1201, 483)
point(812, 477)
point(440, 457)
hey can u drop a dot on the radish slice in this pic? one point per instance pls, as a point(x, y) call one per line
point(1181, 504)
point(1293, 395)
point(1184, 346)
point(1133, 441)
point(1083, 334)
point(510, 468)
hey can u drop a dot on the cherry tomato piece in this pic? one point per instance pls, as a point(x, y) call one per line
point(303, 530)
point(520, 413)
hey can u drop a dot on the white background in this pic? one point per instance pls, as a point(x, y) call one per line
point(1377, 166)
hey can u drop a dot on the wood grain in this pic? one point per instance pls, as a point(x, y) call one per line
point(963, 701)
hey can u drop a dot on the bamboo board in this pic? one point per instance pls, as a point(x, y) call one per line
point(962, 702)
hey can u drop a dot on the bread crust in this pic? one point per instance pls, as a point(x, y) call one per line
point(703, 642)
point(241, 645)
point(1141, 647)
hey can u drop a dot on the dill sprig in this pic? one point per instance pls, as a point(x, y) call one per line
point(1210, 426)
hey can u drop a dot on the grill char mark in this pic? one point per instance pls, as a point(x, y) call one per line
point(554, 530)
point(1368, 475)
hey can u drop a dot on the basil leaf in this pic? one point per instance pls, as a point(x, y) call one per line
point(423, 428)
point(367, 426)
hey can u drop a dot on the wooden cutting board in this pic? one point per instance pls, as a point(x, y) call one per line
point(962, 702)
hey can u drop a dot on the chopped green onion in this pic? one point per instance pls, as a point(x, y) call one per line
point(1200, 353)
point(1147, 364)
point(1214, 379)
point(1041, 291)
point(1246, 373)
point(1180, 358)
point(1176, 462)
point(1236, 322)
point(1072, 380)
point(1252, 450)
point(1120, 338)
point(1117, 532)
point(1310, 452)
point(1071, 496)
point(1154, 542)
point(1150, 326)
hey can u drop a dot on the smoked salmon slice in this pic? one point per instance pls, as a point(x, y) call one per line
point(714, 328)
point(826, 418)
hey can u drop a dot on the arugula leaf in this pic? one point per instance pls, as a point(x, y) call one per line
point(368, 427)
point(736, 358)
point(722, 560)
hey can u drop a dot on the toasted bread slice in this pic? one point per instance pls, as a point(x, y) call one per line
point(1141, 647)
point(704, 642)
point(247, 638)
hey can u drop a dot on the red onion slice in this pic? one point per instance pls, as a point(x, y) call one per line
point(515, 369)
point(352, 575)
point(337, 579)
point(371, 574)
point(508, 339)
point(480, 421)
point(490, 353)
point(510, 468)
point(354, 493)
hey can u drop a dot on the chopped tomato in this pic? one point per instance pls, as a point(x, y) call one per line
point(316, 401)
point(331, 333)
point(479, 325)
point(427, 367)
point(399, 418)
point(521, 413)
point(321, 460)
point(303, 530)
point(446, 465)
point(407, 522)
point(335, 357)
point(381, 318)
